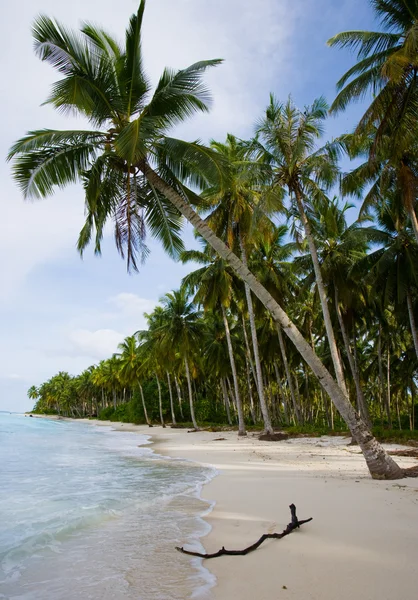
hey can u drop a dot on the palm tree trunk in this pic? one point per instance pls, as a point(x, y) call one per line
point(248, 352)
point(173, 416)
point(263, 404)
point(282, 394)
point(226, 401)
point(189, 385)
point(160, 400)
point(414, 220)
point(250, 391)
point(241, 422)
point(114, 398)
point(361, 403)
point(144, 405)
point(288, 375)
point(179, 396)
point(380, 464)
point(383, 391)
point(412, 321)
point(336, 360)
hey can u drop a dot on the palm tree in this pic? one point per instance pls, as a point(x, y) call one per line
point(232, 218)
point(289, 136)
point(181, 328)
point(130, 364)
point(134, 173)
point(212, 285)
point(388, 67)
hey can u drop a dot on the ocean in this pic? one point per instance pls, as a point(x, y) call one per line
point(88, 513)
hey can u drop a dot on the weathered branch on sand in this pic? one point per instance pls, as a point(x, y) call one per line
point(295, 524)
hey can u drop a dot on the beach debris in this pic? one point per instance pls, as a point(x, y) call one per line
point(294, 524)
point(218, 439)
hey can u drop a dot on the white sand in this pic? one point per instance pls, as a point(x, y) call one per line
point(361, 545)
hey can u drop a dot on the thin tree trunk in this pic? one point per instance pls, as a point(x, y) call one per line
point(250, 391)
point(179, 396)
point(412, 321)
point(361, 403)
point(114, 398)
point(322, 294)
point(189, 385)
point(160, 400)
point(264, 410)
point(173, 416)
point(226, 401)
point(241, 422)
point(388, 377)
point(230, 390)
point(144, 405)
point(414, 220)
point(382, 385)
point(282, 395)
point(380, 464)
point(296, 410)
point(248, 352)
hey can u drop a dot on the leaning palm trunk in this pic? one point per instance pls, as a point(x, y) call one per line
point(250, 391)
point(322, 294)
point(241, 422)
point(263, 404)
point(380, 464)
point(288, 376)
point(173, 416)
point(144, 405)
point(189, 385)
point(412, 321)
point(361, 402)
point(160, 401)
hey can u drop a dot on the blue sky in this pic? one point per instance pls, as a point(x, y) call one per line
point(58, 312)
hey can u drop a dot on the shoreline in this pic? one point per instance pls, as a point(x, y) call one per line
point(361, 541)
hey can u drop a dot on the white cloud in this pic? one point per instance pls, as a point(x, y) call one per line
point(98, 344)
point(132, 305)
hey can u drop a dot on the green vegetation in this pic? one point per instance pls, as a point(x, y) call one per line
point(293, 312)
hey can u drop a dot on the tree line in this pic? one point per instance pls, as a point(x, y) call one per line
point(293, 311)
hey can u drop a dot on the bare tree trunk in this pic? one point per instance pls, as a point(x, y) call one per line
point(226, 401)
point(143, 404)
point(388, 376)
point(380, 464)
point(114, 398)
point(179, 396)
point(288, 375)
point(414, 221)
point(160, 400)
point(241, 422)
point(189, 385)
point(173, 416)
point(412, 321)
point(361, 403)
point(248, 353)
point(382, 386)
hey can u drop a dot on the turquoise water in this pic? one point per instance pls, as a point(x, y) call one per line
point(90, 513)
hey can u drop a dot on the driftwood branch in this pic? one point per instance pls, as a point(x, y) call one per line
point(295, 524)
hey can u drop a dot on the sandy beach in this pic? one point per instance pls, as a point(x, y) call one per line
point(362, 542)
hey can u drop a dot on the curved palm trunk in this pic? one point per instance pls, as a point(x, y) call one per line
point(361, 403)
point(380, 464)
point(288, 376)
point(173, 416)
point(160, 400)
point(241, 422)
point(189, 385)
point(263, 404)
point(179, 396)
point(336, 360)
point(226, 401)
point(144, 405)
point(412, 321)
